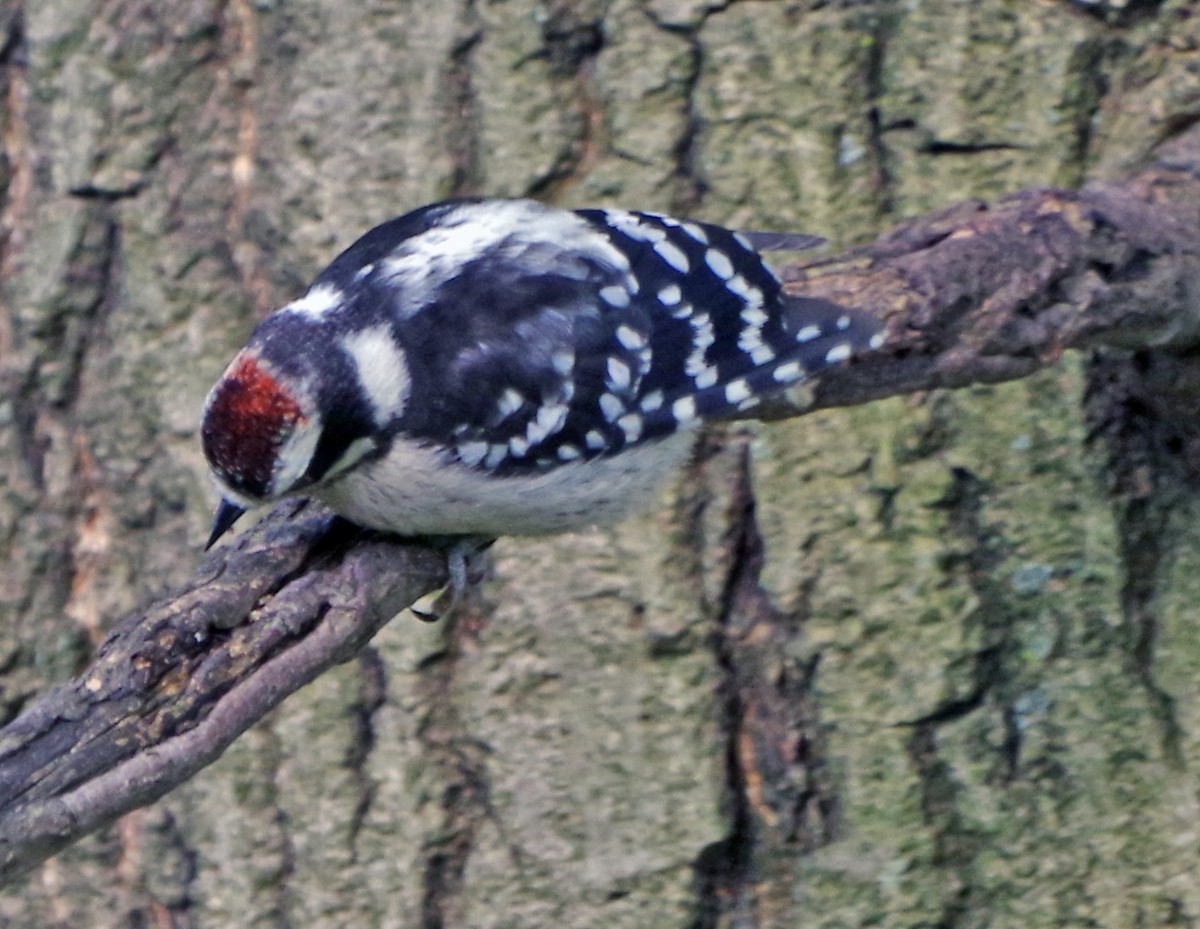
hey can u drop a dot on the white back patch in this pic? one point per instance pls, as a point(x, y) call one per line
point(423, 263)
point(317, 302)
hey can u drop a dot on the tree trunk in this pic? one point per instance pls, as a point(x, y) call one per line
point(926, 661)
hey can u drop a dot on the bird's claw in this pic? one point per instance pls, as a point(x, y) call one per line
point(466, 569)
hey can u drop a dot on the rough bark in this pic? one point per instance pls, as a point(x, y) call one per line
point(976, 295)
point(930, 660)
point(171, 688)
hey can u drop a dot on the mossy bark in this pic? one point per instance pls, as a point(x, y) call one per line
point(931, 661)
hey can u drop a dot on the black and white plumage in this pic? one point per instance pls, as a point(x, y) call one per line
point(503, 367)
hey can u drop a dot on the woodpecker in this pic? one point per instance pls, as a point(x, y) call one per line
point(497, 367)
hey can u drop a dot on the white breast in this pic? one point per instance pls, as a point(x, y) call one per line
point(412, 491)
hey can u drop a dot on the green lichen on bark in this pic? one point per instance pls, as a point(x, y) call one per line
point(993, 745)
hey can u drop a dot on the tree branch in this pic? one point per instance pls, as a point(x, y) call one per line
point(974, 294)
point(982, 294)
point(171, 688)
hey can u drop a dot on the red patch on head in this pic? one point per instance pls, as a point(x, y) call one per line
point(249, 417)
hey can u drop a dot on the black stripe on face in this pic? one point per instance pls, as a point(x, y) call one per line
point(348, 415)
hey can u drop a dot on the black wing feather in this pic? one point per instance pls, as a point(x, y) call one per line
point(536, 352)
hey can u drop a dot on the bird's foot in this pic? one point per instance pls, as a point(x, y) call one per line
point(467, 564)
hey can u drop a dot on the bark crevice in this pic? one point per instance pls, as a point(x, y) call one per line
point(976, 294)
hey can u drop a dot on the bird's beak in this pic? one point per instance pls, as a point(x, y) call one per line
point(227, 514)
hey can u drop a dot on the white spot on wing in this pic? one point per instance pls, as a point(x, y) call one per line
point(611, 407)
point(645, 356)
point(839, 352)
point(618, 374)
point(549, 420)
point(382, 370)
point(496, 456)
point(633, 226)
point(652, 401)
point(563, 362)
point(510, 401)
point(743, 288)
point(702, 338)
point(754, 315)
point(706, 377)
point(738, 390)
point(595, 440)
point(535, 432)
point(568, 452)
point(750, 341)
point(808, 333)
point(788, 372)
point(718, 262)
point(696, 232)
point(673, 255)
point(630, 337)
point(670, 295)
point(472, 453)
point(553, 416)
point(684, 409)
point(631, 425)
point(615, 296)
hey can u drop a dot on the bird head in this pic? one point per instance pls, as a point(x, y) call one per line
point(259, 434)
